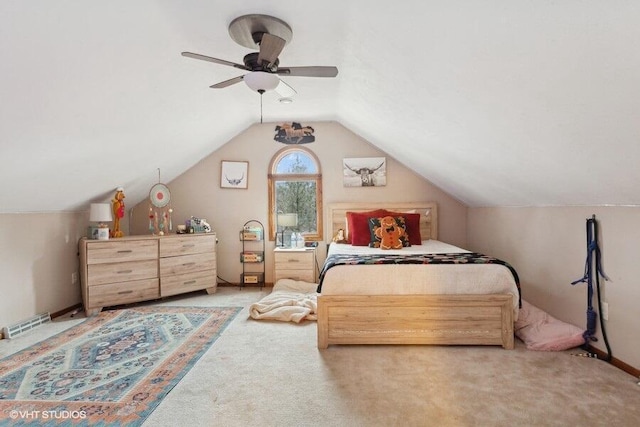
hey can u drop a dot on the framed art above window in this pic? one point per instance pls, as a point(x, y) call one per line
point(234, 174)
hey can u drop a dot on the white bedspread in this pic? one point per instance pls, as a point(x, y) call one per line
point(290, 301)
point(415, 279)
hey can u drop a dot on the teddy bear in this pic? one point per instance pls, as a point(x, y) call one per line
point(339, 237)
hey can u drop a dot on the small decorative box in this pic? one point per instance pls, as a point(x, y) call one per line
point(251, 233)
point(251, 257)
point(248, 278)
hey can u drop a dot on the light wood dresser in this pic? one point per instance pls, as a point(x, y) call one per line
point(139, 268)
point(296, 264)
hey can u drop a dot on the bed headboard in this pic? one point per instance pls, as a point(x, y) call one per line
point(428, 215)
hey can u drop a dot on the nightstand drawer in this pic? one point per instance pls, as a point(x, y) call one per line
point(99, 274)
point(294, 260)
point(121, 251)
point(122, 293)
point(295, 264)
point(304, 275)
point(187, 263)
point(173, 246)
point(188, 282)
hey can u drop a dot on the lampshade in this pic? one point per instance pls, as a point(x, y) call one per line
point(260, 80)
point(288, 219)
point(100, 212)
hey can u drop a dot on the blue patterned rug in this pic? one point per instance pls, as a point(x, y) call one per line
point(112, 369)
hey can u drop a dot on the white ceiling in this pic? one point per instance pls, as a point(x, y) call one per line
point(504, 102)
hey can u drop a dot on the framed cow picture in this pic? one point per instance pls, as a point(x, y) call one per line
point(364, 172)
point(234, 174)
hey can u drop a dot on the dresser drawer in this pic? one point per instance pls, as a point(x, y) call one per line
point(121, 251)
point(173, 246)
point(122, 293)
point(187, 263)
point(294, 260)
point(187, 282)
point(98, 274)
point(304, 275)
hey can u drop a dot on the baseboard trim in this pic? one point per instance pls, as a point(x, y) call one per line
point(53, 315)
point(615, 362)
point(246, 285)
point(64, 311)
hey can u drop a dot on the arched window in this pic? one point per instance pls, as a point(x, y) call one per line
point(295, 187)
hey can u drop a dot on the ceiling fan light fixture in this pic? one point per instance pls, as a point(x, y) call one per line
point(269, 35)
point(260, 80)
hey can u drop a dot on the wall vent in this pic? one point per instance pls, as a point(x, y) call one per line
point(26, 325)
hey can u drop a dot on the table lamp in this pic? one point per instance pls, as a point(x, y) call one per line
point(101, 213)
point(286, 220)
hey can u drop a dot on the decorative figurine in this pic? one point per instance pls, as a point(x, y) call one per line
point(339, 237)
point(151, 218)
point(118, 212)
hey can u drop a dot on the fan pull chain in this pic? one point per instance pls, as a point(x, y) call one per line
point(260, 91)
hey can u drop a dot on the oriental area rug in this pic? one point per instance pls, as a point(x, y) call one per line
point(111, 369)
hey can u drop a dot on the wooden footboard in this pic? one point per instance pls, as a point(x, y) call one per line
point(415, 319)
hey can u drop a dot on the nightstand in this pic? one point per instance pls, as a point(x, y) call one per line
point(294, 263)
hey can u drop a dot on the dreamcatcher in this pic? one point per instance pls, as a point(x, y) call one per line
point(160, 209)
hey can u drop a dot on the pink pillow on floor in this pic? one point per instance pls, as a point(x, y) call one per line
point(541, 331)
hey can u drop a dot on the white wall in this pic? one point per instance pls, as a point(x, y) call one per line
point(197, 192)
point(38, 253)
point(547, 246)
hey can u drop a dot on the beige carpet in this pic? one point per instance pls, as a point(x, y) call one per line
point(269, 373)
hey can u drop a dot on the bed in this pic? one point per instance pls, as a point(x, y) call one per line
point(442, 304)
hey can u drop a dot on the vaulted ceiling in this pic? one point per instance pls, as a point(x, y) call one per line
point(504, 102)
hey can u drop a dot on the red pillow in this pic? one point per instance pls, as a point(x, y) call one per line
point(412, 222)
point(358, 226)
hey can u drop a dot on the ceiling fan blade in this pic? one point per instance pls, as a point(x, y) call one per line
point(227, 83)
point(270, 48)
point(284, 90)
point(214, 60)
point(308, 71)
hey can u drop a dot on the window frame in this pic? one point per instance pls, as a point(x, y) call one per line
point(274, 177)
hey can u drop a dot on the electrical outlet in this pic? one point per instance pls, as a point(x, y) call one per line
point(74, 278)
point(605, 311)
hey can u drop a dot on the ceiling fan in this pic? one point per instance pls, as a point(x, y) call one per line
point(269, 35)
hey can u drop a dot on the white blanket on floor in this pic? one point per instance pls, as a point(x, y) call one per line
point(290, 301)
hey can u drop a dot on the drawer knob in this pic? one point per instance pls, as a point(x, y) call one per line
point(190, 282)
point(125, 251)
point(125, 271)
point(125, 292)
point(188, 264)
point(293, 260)
point(189, 245)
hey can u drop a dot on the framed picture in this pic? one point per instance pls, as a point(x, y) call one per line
point(364, 172)
point(234, 174)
